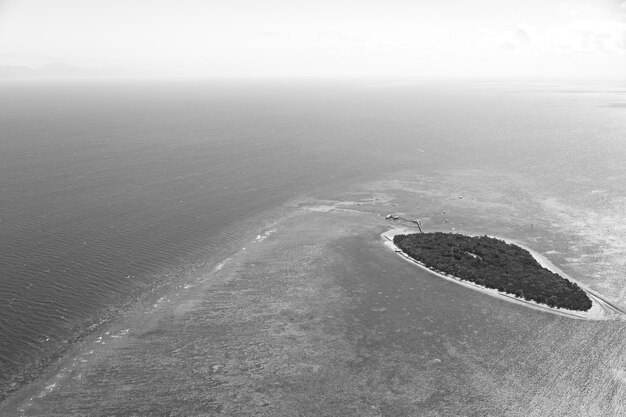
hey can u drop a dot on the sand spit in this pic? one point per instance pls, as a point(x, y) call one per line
point(602, 309)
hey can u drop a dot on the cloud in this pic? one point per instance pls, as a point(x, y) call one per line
point(523, 37)
point(270, 35)
point(590, 36)
point(582, 36)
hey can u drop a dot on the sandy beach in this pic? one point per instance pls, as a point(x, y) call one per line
point(601, 309)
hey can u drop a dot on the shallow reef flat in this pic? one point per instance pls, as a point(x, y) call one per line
point(315, 317)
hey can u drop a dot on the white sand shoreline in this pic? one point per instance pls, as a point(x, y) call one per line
point(601, 309)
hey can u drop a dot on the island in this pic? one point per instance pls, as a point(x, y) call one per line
point(495, 264)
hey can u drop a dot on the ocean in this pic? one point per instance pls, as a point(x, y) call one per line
point(109, 190)
point(117, 194)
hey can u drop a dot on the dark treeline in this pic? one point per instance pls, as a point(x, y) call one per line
point(493, 263)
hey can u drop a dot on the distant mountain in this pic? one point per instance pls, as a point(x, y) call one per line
point(55, 70)
point(10, 71)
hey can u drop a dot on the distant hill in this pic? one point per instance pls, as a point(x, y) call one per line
point(11, 71)
point(55, 70)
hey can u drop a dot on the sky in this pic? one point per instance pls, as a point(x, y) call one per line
point(321, 38)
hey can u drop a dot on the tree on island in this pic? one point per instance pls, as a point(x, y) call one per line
point(495, 264)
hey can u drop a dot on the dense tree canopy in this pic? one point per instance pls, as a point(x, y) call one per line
point(493, 263)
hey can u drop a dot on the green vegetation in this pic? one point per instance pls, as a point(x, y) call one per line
point(493, 263)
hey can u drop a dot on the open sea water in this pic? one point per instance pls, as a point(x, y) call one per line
point(113, 191)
